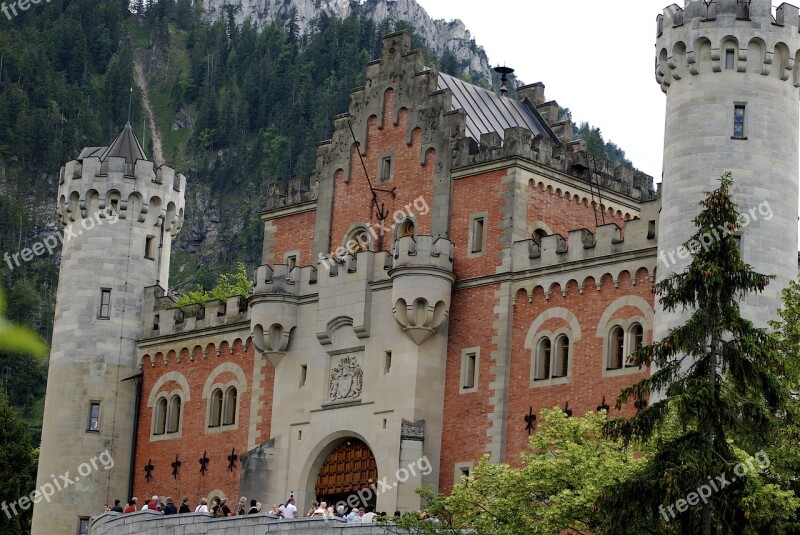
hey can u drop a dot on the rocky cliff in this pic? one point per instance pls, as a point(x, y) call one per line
point(440, 35)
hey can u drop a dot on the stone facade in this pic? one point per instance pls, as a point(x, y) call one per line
point(426, 292)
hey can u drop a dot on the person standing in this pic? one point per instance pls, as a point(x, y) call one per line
point(202, 507)
point(117, 507)
point(288, 510)
point(169, 508)
point(185, 506)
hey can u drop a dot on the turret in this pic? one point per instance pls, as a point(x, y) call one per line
point(119, 215)
point(729, 72)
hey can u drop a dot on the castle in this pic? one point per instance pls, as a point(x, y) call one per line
point(456, 263)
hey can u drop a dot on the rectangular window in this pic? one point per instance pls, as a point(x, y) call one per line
point(83, 526)
point(387, 362)
point(477, 235)
point(738, 121)
point(105, 303)
point(149, 247)
point(155, 322)
point(385, 171)
point(729, 58)
point(94, 416)
point(469, 370)
point(291, 262)
point(303, 375)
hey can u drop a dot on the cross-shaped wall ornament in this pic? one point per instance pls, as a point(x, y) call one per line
point(203, 463)
point(640, 404)
point(148, 469)
point(232, 460)
point(175, 467)
point(530, 421)
point(567, 410)
point(603, 406)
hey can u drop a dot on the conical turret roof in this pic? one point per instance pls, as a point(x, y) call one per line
point(126, 146)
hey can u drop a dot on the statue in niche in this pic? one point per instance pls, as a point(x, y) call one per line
point(346, 379)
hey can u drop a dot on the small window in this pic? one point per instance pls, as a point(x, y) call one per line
point(464, 471)
point(729, 58)
point(174, 423)
point(537, 236)
point(358, 241)
point(561, 364)
point(215, 414)
point(149, 247)
point(477, 235)
point(291, 262)
point(386, 168)
point(160, 417)
point(230, 407)
point(94, 417)
point(83, 526)
point(738, 122)
point(387, 362)
point(543, 354)
point(616, 348)
point(303, 375)
point(155, 322)
point(637, 341)
point(406, 229)
point(469, 371)
point(115, 206)
point(105, 304)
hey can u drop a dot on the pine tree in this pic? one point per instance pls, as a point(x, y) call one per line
point(721, 396)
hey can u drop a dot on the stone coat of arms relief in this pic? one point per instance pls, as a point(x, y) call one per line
point(346, 380)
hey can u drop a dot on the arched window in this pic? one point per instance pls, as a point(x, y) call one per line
point(561, 362)
point(215, 413)
point(616, 348)
point(174, 420)
point(230, 407)
point(543, 354)
point(537, 236)
point(637, 340)
point(160, 417)
point(357, 241)
point(406, 229)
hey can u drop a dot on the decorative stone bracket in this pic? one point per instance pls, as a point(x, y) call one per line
point(273, 314)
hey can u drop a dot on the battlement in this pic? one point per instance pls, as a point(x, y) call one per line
point(742, 37)
point(161, 317)
point(424, 251)
point(133, 191)
point(571, 159)
point(293, 192)
point(582, 244)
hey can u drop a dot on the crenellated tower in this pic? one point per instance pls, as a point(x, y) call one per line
point(119, 215)
point(731, 78)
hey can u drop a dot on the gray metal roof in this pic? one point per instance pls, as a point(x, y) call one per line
point(486, 112)
point(125, 145)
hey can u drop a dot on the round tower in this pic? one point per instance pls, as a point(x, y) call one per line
point(729, 72)
point(118, 216)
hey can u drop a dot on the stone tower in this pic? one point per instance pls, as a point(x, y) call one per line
point(119, 216)
point(728, 70)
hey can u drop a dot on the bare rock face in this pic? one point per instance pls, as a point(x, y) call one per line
point(438, 35)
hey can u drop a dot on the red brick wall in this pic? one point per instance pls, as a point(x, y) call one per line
point(587, 386)
point(563, 214)
point(353, 200)
point(294, 233)
point(478, 193)
point(194, 440)
point(465, 418)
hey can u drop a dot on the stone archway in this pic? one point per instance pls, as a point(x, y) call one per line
point(349, 470)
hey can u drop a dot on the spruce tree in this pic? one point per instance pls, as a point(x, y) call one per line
point(717, 395)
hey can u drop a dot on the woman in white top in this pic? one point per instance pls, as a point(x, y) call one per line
point(202, 507)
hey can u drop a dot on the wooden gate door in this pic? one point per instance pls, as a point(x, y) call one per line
point(350, 467)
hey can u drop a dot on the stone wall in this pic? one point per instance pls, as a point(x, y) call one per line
point(153, 523)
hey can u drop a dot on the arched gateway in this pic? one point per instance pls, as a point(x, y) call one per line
point(349, 468)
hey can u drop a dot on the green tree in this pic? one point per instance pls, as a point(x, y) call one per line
point(228, 285)
point(723, 399)
point(568, 466)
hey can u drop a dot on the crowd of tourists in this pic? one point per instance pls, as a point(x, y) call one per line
point(219, 508)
